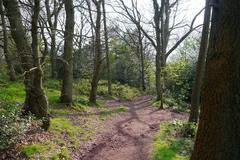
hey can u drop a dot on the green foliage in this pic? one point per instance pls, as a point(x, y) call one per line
point(12, 125)
point(184, 129)
point(45, 150)
point(12, 91)
point(82, 87)
point(178, 78)
point(168, 146)
point(33, 149)
point(125, 91)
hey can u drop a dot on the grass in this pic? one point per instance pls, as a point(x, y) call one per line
point(67, 129)
point(45, 150)
point(110, 111)
point(166, 146)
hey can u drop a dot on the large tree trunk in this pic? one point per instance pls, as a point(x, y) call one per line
point(35, 101)
point(12, 75)
point(218, 135)
point(109, 77)
point(196, 90)
point(98, 55)
point(37, 97)
point(66, 94)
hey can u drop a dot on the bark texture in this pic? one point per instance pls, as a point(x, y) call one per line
point(98, 54)
point(12, 75)
point(109, 76)
point(196, 89)
point(66, 94)
point(35, 101)
point(218, 134)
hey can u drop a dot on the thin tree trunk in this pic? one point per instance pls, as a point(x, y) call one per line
point(98, 55)
point(196, 90)
point(218, 135)
point(109, 77)
point(12, 75)
point(157, 17)
point(141, 59)
point(53, 26)
point(66, 94)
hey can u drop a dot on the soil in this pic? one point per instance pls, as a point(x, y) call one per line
point(123, 136)
point(128, 136)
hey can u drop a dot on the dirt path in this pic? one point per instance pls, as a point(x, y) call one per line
point(128, 136)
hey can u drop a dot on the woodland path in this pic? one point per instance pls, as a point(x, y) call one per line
point(129, 136)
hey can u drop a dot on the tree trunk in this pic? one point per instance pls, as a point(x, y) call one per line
point(53, 26)
point(157, 17)
point(35, 101)
point(218, 132)
point(141, 59)
point(196, 90)
point(37, 97)
point(109, 77)
point(66, 94)
point(98, 55)
point(12, 75)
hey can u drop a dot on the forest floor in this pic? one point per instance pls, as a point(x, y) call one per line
point(129, 135)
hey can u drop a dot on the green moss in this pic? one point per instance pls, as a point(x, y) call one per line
point(53, 96)
point(168, 147)
point(12, 92)
point(64, 154)
point(110, 111)
point(65, 125)
point(37, 148)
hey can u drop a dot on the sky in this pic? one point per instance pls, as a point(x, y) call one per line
point(190, 8)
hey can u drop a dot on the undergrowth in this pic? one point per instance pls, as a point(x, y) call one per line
point(173, 141)
point(67, 126)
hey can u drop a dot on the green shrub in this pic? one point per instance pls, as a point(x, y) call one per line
point(184, 129)
point(169, 145)
point(12, 127)
point(82, 87)
point(178, 79)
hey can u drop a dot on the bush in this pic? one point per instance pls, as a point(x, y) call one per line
point(169, 145)
point(184, 129)
point(178, 78)
point(12, 127)
point(83, 87)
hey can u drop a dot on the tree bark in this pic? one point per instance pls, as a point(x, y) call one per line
point(218, 131)
point(141, 52)
point(35, 101)
point(98, 54)
point(109, 77)
point(66, 94)
point(37, 97)
point(53, 27)
point(12, 75)
point(157, 17)
point(196, 90)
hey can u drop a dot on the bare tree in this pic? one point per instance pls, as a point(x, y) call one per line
point(8, 59)
point(35, 101)
point(98, 52)
point(163, 30)
point(52, 20)
point(107, 49)
point(196, 90)
point(66, 93)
